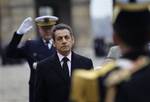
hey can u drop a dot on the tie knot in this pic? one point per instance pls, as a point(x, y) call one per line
point(65, 59)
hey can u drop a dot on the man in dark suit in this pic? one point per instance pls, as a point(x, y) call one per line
point(33, 50)
point(54, 73)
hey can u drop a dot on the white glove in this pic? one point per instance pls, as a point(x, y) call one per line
point(25, 26)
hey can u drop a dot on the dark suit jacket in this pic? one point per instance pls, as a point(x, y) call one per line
point(51, 84)
point(31, 50)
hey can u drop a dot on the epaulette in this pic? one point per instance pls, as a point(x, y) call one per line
point(121, 75)
point(85, 86)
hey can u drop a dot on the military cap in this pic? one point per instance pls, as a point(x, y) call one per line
point(130, 6)
point(46, 20)
point(132, 18)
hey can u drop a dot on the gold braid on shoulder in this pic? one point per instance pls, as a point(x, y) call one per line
point(123, 74)
point(85, 87)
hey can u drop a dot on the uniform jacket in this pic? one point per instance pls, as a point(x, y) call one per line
point(136, 88)
point(51, 84)
point(31, 50)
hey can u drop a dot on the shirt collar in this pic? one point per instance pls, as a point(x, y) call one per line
point(50, 41)
point(60, 56)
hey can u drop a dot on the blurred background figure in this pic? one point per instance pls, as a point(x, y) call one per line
point(119, 81)
point(99, 47)
point(101, 26)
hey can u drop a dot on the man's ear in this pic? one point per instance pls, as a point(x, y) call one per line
point(116, 39)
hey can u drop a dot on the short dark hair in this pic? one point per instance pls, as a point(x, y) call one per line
point(60, 27)
point(133, 27)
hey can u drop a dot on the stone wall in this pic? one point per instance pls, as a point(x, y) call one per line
point(81, 22)
point(13, 12)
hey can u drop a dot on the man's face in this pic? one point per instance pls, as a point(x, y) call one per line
point(45, 32)
point(63, 41)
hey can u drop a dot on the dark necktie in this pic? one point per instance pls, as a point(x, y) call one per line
point(65, 66)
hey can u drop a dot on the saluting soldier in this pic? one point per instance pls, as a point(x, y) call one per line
point(33, 50)
point(127, 78)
